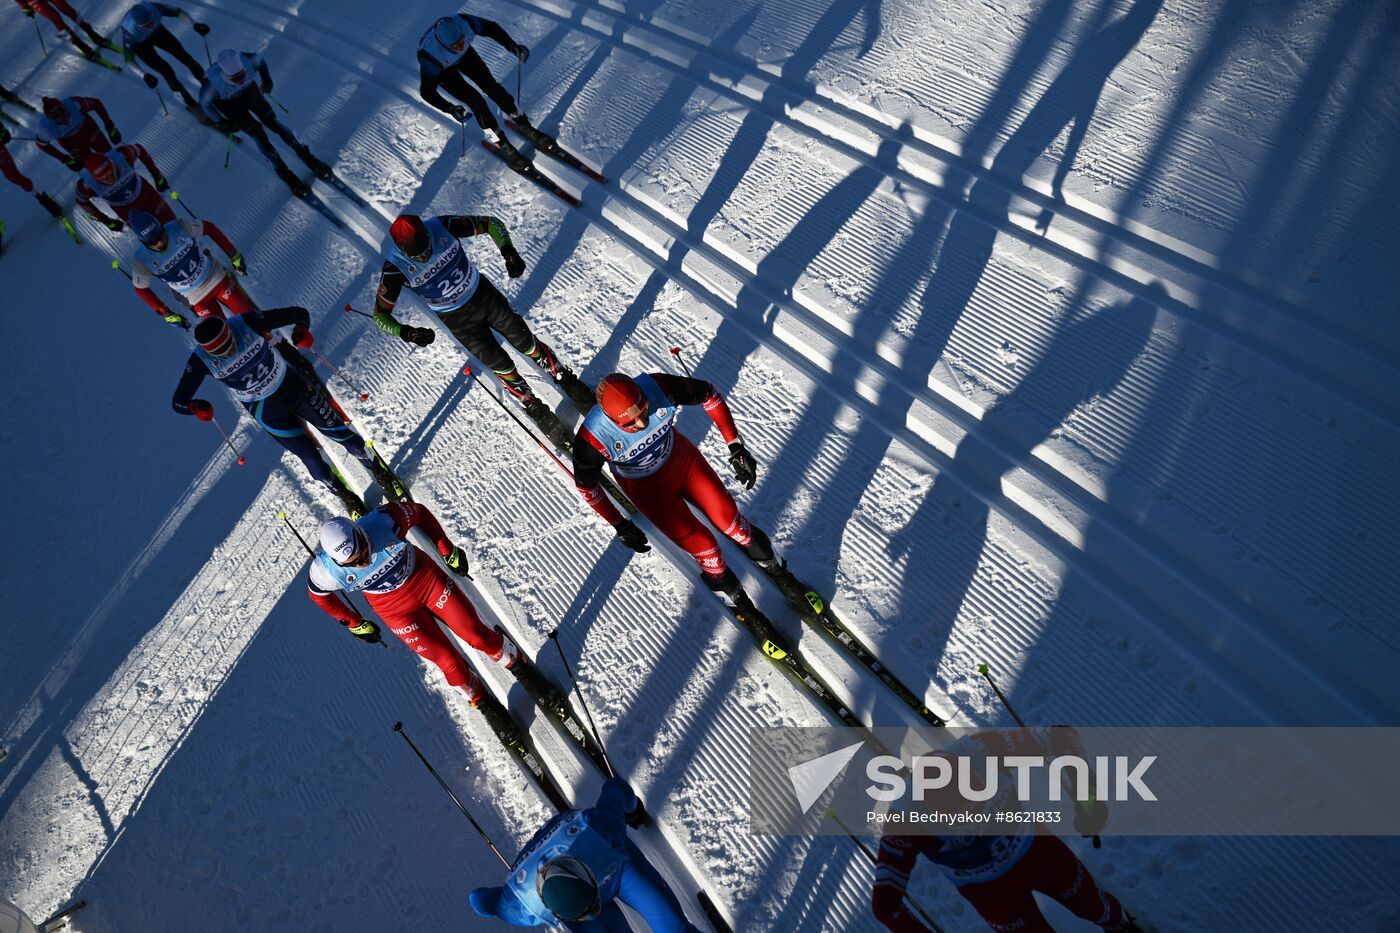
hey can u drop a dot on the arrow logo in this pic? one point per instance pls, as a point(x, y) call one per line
point(812, 778)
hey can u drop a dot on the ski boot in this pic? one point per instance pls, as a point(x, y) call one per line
point(745, 611)
point(354, 505)
point(516, 161)
point(49, 204)
point(191, 103)
point(394, 490)
point(760, 551)
point(97, 38)
point(548, 422)
point(299, 188)
point(497, 717)
point(582, 397)
point(85, 50)
point(318, 168)
point(539, 139)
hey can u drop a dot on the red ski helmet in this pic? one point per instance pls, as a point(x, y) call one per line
point(410, 235)
point(100, 167)
point(621, 399)
point(53, 109)
point(214, 336)
point(450, 33)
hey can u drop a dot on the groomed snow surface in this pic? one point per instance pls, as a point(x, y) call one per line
point(1064, 333)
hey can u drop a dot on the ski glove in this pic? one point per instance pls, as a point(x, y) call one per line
point(1090, 817)
point(456, 559)
point(114, 134)
point(744, 464)
point(73, 164)
point(419, 336)
point(459, 113)
point(240, 263)
point(366, 631)
point(111, 223)
point(522, 52)
point(150, 80)
point(266, 86)
point(202, 409)
point(201, 29)
point(638, 816)
point(161, 182)
point(302, 337)
point(28, 12)
point(632, 536)
point(515, 264)
point(175, 318)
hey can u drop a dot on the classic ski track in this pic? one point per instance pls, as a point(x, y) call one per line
point(1060, 504)
point(1359, 369)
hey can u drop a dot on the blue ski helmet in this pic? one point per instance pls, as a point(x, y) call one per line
point(451, 34)
point(147, 228)
point(568, 889)
point(143, 15)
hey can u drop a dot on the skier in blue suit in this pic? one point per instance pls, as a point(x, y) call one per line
point(578, 866)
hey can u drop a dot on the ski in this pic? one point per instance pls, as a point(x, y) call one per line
point(344, 189)
point(534, 174)
point(9, 119)
point(59, 920)
point(712, 913)
point(67, 224)
point(99, 39)
point(96, 58)
point(394, 488)
point(815, 611)
point(550, 147)
point(555, 705)
point(501, 723)
point(323, 209)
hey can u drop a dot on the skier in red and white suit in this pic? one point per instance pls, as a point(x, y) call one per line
point(661, 471)
point(406, 588)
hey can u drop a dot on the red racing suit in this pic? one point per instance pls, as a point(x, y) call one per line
point(684, 478)
point(146, 197)
point(416, 599)
point(12, 172)
point(71, 142)
point(50, 10)
point(222, 292)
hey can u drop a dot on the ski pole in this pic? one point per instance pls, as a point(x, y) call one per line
point(277, 102)
point(42, 48)
point(364, 396)
point(345, 596)
point(161, 97)
point(351, 309)
point(462, 150)
point(175, 196)
point(985, 672)
point(467, 371)
point(874, 860)
point(117, 264)
point(597, 736)
point(676, 352)
point(237, 457)
point(207, 57)
point(228, 150)
point(519, 70)
point(398, 727)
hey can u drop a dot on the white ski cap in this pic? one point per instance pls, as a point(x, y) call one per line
point(340, 539)
point(230, 63)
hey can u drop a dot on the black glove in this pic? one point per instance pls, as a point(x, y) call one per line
point(745, 466)
point(73, 164)
point(638, 816)
point(522, 52)
point(1090, 817)
point(459, 113)
point(456, 561)
point(28, 12)
point(632, 536)
point(113, 224)
point(161, 183)
point(226, 127)
point(114, 134)
point(266, 86)
point(419, 336)
point(515, 263)
point(201, 29)
point(366, 631)
point(150, 80)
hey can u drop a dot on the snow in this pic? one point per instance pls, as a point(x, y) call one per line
point(1065, 335)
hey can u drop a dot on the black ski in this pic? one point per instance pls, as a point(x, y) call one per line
point(554, 704)
point(394, 488)
point(815, 611)
point(534, 174)
point(548, 145)
point(347, 191)
point(59, 920)
point(511, 736)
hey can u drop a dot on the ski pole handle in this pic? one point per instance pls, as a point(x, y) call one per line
point(175, 196)
point(237, 457)
point(676, 352)
point(398, 727)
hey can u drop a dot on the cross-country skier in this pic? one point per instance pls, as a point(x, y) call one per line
point(144, 35)
point(998, 875)
point(172, 253)
point(234, 100)
point(277, 397)
point(13, 174)
point(429, 257)
point(114, 178)
point(68, 132)
point(447, 62)
point(577, 868)
point(633, 429)
point(406, 588)
point(54, 11)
